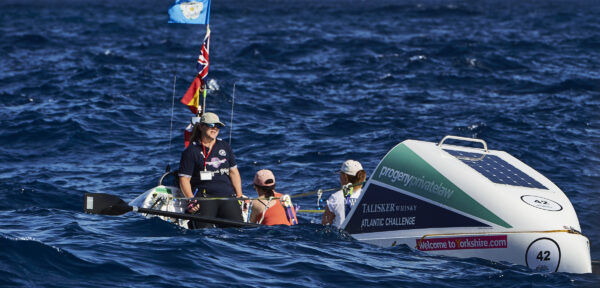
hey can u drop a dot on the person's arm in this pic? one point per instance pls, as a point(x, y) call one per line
point(328, 217)
point(236, 181)
point(186, 170)
point(185, 186)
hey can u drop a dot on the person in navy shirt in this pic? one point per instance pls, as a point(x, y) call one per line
point(208, 169)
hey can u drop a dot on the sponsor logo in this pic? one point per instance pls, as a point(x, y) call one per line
point(411, 181)
point(387, 207)
point(216, 162)
point(388, 222)
point(222, 153)
point(541, 203)
point(457, 243)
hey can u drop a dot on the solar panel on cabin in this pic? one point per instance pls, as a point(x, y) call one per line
point(496, 169)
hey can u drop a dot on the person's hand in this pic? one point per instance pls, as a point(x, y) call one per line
point(193, 207)
point(244, 203)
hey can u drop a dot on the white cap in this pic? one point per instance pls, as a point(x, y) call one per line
point(210, 118)
point(351, 167)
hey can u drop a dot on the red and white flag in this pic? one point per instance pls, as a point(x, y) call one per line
point(203, 57)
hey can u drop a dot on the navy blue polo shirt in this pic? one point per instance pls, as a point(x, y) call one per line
point(219, 160)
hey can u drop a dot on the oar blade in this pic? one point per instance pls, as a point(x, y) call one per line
point(104, 204)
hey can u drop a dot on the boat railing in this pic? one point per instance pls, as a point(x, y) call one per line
point(485, 149)
point(174, 173)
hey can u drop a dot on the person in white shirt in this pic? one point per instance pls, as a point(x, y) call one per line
point(339, 203)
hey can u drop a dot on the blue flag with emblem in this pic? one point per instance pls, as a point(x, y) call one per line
point(190, 12)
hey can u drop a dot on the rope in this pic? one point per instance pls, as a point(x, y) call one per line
point(220, 198)
point(325, 190)
point(291, 196)
point(314, 192)
point(172, 108)
point(231, 122)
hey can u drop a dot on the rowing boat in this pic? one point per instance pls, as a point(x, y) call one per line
point(469, 202)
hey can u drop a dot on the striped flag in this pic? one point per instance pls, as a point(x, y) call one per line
point(203, 57)
point(192, 96)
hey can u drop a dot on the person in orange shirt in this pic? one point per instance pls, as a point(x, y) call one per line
point(265, 209)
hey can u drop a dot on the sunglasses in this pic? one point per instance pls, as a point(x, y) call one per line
point(213, 125)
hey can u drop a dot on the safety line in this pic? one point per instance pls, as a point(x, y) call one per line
point(291, 196)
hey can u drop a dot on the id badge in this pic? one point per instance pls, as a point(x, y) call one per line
point(205, 175)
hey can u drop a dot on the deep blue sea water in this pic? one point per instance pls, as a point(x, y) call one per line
point(86, 91)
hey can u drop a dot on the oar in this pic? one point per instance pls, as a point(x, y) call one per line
point(107, 204)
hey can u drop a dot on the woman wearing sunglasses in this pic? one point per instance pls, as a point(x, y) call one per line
point(208, 169)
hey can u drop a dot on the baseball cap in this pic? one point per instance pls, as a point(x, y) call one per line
point(351, 167)
point(264, 178)
point(210, 118)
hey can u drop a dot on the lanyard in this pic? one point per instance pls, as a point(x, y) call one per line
point(205, 154)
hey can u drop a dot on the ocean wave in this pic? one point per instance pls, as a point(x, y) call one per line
point(29, 41)
point(48, 266)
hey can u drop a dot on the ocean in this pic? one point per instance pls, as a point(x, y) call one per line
point(90, 96)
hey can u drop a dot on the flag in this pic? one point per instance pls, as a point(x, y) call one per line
point(203, 57)
point(190, 12)
point(192, 96)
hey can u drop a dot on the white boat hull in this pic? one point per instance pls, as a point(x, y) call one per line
point(467, 202)
point(546, 252)
point(163, 198)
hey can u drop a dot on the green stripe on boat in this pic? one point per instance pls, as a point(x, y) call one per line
point(404, 169)
point(163, 190)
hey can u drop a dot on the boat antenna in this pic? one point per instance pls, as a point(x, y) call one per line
point(168, 169)
point(203, 108)
point(231, 121)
